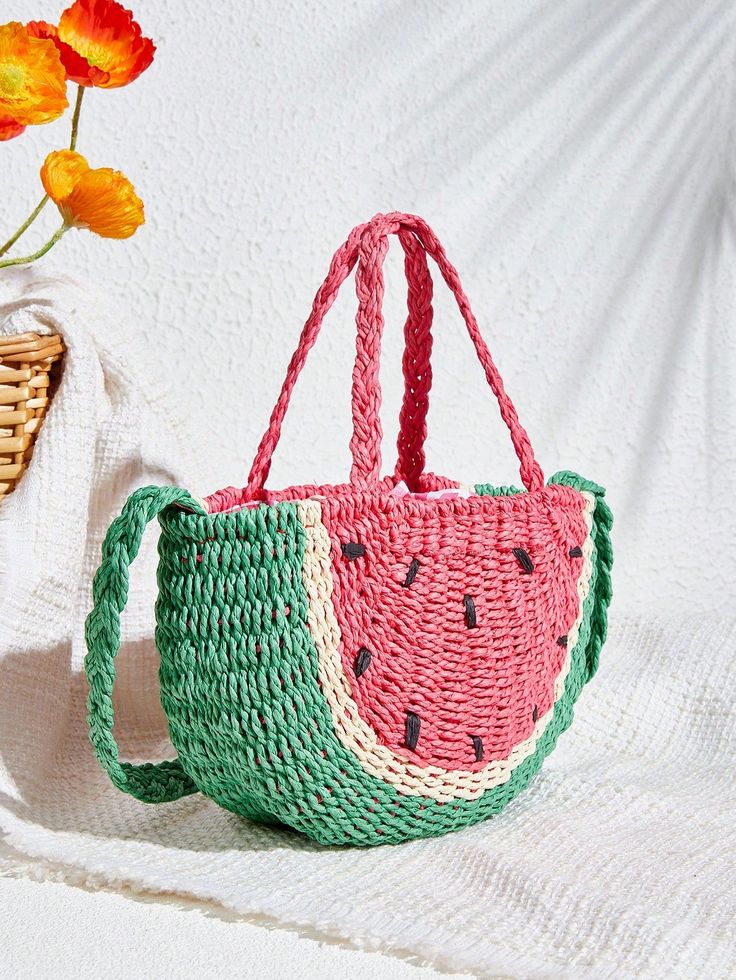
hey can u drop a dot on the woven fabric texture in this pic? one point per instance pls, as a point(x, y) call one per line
point(616, 861)
point(363, 667)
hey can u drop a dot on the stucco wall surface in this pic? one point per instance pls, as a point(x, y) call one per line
point(576, 159)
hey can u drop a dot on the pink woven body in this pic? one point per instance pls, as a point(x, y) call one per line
point(428, 660)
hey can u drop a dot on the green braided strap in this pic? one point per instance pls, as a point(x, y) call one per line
point(151, 783)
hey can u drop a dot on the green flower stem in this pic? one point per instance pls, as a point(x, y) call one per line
point(42, 251)
point(45, 199)
point(26, 224)
point(75, 117)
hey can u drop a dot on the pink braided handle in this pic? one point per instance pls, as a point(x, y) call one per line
point(417, 371)
point(368, 244)
point(416, 363)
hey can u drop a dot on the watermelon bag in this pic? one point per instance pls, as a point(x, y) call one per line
point(362, 663)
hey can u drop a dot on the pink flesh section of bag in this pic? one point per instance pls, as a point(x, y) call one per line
point(476, 674)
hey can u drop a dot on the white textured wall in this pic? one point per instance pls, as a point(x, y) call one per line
point(575, 157)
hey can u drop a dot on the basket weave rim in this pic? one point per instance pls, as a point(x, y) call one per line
point(348, 501)
point(40, 348)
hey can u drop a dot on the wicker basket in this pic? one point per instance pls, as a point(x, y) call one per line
point(29, 366)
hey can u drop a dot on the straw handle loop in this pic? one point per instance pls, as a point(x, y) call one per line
point(152, 783)
point(367, 245)
point(418, 347)
point(416, 363)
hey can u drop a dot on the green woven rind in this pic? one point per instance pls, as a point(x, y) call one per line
point(488, 490)
point(247, 715)
point(603, 592)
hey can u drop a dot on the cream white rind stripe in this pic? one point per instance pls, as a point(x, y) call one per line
point(355, 734)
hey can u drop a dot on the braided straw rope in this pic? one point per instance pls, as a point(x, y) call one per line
point(416, 364)
point(368, 244)
point(150, 783)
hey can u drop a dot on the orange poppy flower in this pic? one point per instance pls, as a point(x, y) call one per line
point(99, 42)
point(32, 81)
point(102, 200)
point(76, 66)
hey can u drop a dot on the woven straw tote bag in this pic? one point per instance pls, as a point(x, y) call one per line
point(386, 659)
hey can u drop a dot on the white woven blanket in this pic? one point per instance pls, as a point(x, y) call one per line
point(619, 861)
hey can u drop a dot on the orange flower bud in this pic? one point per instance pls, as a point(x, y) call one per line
point(102, 200)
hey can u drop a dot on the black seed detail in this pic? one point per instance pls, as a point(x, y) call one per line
point(362, 661)
point(411, 574)
point(470, 620)
point(576, 552)
point(535, 713)
point(562, 641)
point(478, 746)
point(524, 560)
point(352, 550)
point(413, 724)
